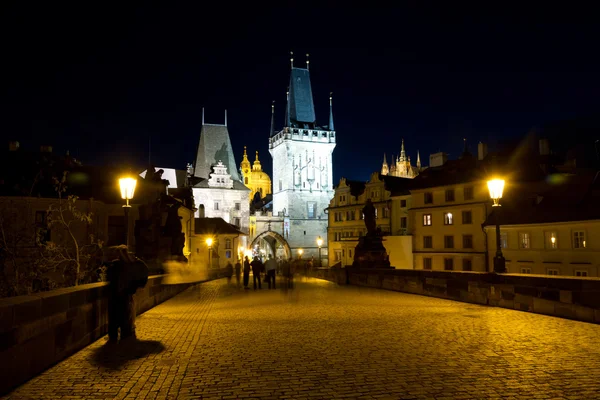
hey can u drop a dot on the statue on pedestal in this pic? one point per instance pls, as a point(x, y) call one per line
point(370, 252)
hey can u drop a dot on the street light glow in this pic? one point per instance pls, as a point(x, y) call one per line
point(496, 186)
point(209, 241)
point(319, 241)
point(127, 186)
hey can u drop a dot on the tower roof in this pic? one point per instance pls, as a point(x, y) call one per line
point(300, 101)
point(214, 146)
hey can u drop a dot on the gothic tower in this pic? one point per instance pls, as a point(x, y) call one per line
point(302, 166)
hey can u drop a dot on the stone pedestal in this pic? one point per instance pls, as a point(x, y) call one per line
point(370, 253)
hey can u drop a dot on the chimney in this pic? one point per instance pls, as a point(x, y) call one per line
point(544, 147)
point(45, 149)
point(482, 151)
point(438, 159)
point(13, 146)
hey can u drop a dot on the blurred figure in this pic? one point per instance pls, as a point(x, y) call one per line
point(271, 267)
point(286, 270)
point(257, 268)
point(238, 271)
point(229, 272)
point(125, 274)
point(246, 272)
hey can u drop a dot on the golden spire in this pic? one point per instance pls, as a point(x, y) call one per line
point(256, 166)
point(245, 164)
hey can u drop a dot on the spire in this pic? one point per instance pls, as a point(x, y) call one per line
point(331, 128)
point(287, 108)
point(307, 61)
point(272, 119)
point(418, 160)
point(202, 115)
point(385, 169)
point(225, 117)
point(402, 153)
point(245, 164)
point(292, 58)
point(256, 166)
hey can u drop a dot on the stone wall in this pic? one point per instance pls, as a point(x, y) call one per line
point(40, 330)
point(565, 297)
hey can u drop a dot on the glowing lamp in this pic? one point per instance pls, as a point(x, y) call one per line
point(319, 241)
point(300, 251)
point(496, 186)
point(209, 242)
point(127, 186)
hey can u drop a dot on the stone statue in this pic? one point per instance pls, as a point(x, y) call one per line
point(369, 214)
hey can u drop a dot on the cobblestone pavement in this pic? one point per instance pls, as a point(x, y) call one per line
point(325, 341)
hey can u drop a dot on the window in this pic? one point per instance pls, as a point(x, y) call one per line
point(350, 253)
point(551, 240)
point(524, 240)
point(504, 240)
point(468, 192)
point(428, 197)
point(311, 209)
point(427, 263)
point(403, 222)
point(525, 270)
point(449, 194)
point(449, 242)
point(238, 206)
point(467, 241)
point(236, 222)
point(228, 254)
point(467, 264)
point(280, 185)
point(467, 217)
point(386, 212)
point(216, 205)
point(579, 240)
point(403, 203)
point(227, 243)
point(448, 219)
point(581, 273)
point(338, 255)
point(552, 272)
point(376, 213)
point(426, 219)
point(427, 242)
point(448, 264)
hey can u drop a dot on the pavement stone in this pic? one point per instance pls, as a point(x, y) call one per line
point(322, 341)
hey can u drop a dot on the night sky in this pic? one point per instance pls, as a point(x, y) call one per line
point(100, 81)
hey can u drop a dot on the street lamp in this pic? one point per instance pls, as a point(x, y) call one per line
point(300, 251)
point(496, 186)
point(320, 243)
point(209, 243)
point(127, 186)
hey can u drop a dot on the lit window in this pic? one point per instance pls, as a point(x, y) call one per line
point(448, 219)
point(579, 240)
point(228, 254)
point(524, 240)
point(426, 219)
point(504, 240)
point(311, 209)
point(551, 240)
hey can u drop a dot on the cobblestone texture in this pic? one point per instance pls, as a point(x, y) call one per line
point(324, 341)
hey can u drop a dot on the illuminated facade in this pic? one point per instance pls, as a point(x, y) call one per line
point(254, 177)
point(401, 167)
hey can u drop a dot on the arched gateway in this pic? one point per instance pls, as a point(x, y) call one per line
point(272, 238)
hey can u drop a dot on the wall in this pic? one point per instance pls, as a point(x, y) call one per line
point(541, 258)
point(572, 298)
point(399, 249)
point(40, 330)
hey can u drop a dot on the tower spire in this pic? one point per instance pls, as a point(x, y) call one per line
point(385, 169)
point(402, 152)
point(292, 58)
point(307, 61)
point(202, 115)
point(225, 117)
point(287, 109)
point(418, 160)
point(272, 119)
point(331, 128)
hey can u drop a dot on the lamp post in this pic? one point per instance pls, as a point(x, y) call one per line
point(496, 186)
point(300, 251)
point(320, 243)
point(127, 186)
point(209, 243)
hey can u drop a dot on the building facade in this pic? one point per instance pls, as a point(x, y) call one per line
point(401, 166)
point(257, 180)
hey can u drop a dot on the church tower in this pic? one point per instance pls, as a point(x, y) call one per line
point(302, 166)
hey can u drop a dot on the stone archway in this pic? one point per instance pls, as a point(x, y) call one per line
point(275, 237)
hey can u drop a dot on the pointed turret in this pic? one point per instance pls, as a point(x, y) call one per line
point(214, 147)
point(418, 160)
point(331, 128)
point(272, 119)
point(256, 166)
point(287, 107)
point(385, 169)
point(245, 164)
point(301, 109)
point(402, 153)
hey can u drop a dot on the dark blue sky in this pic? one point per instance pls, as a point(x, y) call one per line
point(100, 80)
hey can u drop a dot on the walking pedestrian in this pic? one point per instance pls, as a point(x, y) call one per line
point(257, 267)
point(238, 271)
point(229, 272)
point(246, 272)
point(271, 266)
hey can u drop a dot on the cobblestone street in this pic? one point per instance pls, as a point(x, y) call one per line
point(325, 341)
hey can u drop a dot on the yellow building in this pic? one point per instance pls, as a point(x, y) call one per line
point(449, 205)
point(551, 227)
point(346, 224)
point(254, 177)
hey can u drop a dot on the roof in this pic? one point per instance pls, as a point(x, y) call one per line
point(395, 185)
point(559, 198)
point(215, 226)
point(215, 146)
point(301, 105)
